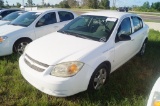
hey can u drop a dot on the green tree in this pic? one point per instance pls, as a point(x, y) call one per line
point(146, 5)
point(156, 6)
point(48, 5)
point(56, 5)
point(96, 4)
point(30, 2)
point(1, 3)
point(18, 5)
point(90, 3)
point(64, 4)
point(105, 4)
point(72, 3)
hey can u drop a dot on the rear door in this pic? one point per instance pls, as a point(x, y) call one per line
point(138, 32)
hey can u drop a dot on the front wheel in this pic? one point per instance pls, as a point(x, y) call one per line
point(20, 45)
point(99, 77)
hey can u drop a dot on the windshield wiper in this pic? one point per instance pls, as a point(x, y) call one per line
point(81, 36)
point(64, 32)
point(18, 25)
point(75, 34)
point(14, 24)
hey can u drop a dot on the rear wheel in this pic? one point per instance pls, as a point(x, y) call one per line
point(99, 77)
point(143, 49)
point(20, 45)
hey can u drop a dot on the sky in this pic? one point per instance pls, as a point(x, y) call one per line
point(119, 3)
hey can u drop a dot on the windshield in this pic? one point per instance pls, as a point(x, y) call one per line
point(97, 28)
point(25, 19)
point(12, 16)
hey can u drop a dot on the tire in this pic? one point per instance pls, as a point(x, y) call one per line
point(99, 77)
point(20, 45)
point(143, 49)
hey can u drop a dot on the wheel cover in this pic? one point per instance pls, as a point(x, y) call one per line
point(21, 47)
point(100, 78)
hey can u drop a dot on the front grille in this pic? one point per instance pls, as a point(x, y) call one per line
point(37, 62)
point(34, 64)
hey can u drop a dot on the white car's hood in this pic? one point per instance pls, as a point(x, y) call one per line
point(55, 47)
point(7, 29)
point(4, 22)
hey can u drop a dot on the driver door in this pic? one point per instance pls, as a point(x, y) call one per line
point(47, 24)
point(124, 50)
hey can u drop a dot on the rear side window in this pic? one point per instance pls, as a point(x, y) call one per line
point(137, 23)
point(64, 15)
point(3, 14)
point(125, 27)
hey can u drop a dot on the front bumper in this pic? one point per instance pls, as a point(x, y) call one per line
point(5, 48)
point(56, 86)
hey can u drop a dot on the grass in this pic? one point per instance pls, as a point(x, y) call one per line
point(129, 85)
point(152, 21)
point(146, 13)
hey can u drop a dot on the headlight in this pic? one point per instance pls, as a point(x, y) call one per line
point(3, 38)
point(67, 69)
point(156, 99)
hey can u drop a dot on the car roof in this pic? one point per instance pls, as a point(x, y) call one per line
point(20, 11)
point(9, 9)
point(108, 13)
point(45, 10)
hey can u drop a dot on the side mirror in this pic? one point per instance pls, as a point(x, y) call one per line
point(39, 24)
point(0, 17)
point(124, 37)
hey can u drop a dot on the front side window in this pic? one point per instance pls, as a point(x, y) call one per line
point(47, 19)
point(97, 28)
point(25, 19)
point(64, 16)
point(125, 27)
point(137, 23)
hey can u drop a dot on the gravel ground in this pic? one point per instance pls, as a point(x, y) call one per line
point(153, 25)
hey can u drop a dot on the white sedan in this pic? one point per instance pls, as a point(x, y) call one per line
point(10, 17)
point(154, 98)
point(82, 55)
point(30, 26)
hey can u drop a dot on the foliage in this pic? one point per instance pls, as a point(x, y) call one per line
point(156, 6)
point(96, 4)
point(64, 4)
point(1, 3)
point(18, 5)
point(105, 4)
point(147, 7)
point(30, 2)
point(73, 3)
